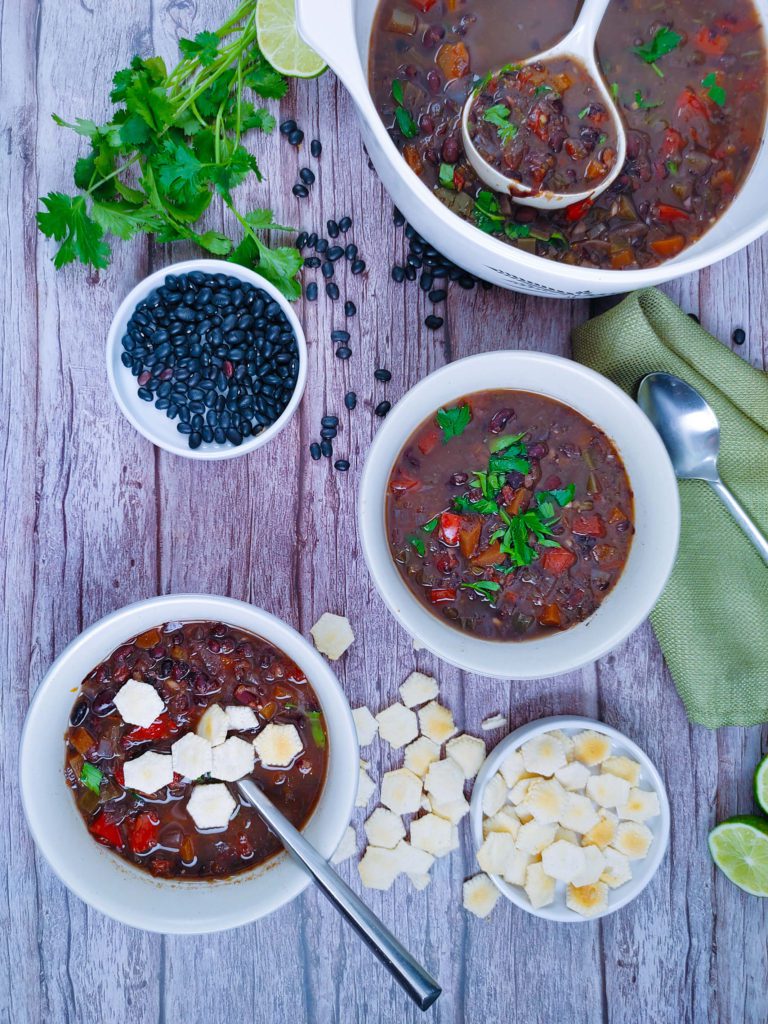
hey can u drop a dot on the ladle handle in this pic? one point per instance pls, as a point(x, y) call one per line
point(406, 971)
point(742, 517)
point(587, 23)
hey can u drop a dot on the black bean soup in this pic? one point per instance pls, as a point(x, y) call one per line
point(191, 666)
point(527, 123)
point(509, 515)
point(689, 79)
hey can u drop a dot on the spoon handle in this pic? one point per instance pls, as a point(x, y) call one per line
point(742, 517)
point(419, 985)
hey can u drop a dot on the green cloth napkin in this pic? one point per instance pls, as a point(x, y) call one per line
point(712, 619)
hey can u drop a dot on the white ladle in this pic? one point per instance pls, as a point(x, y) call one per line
point(578, 45)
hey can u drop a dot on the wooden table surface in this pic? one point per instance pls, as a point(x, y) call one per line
point(94, 517)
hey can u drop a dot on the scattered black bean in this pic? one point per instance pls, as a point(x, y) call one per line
point(301, 239)
point(332, 291)
point(433, 322)
point(438, 295)
point(343, 352)
point(314, 450)
point(296, 137)
point(316, 148)
point(328, 433)
point(383, 375)
point(342, 465)
point(383, 408)
point(312, 240)
point(312, 261)
point(335, 253)
point(333, 229)
point(358, 266)
point(350, 400)
point(345, 224)
point(326, 449)
point(398, 218)
point(340, 336)
point(350, 309)
point(327, 269)
point(287, 127)
point(307, 176)
point(398, 274)
point(351, 251)
point(321, 245)
point(739, 336)
point(300, 191)
point(311, 292)
point(329, 421)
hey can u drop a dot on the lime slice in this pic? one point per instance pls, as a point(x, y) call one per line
point(761, 784)
point(280, 42)
point(739, 847)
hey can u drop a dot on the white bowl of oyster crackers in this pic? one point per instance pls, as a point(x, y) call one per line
point(570, 821)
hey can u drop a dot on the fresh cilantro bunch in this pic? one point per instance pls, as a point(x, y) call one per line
point(174, 142)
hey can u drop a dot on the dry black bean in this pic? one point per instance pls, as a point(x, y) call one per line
point(314, 451)
point(333, 229)
point(332, 291)
point(296, 137)
point(312, 261)
point(433, 322)
point(342, 465)
point(358, 266)
point(383, 408)
point(343, 352)
point(350, 309)
point(437, 295)
point(340, 335)
point(307, 176)
point(301, 240)
point(321, 245)
point(287, 127)
point(383, 375)
point(350, 400)
point(335, 253)
point(300, 191)
point(316, 148)
point(328, 433)
point(739, 336)
point(326, 449)
point(351, 251)
point(345, 224)
point(329, 421)
point(398, 274)
point(327, 269)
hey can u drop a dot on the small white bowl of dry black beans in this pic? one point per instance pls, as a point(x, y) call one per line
point(207, 359)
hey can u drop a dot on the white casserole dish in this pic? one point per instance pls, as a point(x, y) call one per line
point(339, 30)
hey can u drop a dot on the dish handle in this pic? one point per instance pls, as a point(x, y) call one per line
point(332, 35)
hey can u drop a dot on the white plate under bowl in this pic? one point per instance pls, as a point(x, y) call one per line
point(115, 886)
point(642, 870)
point(657, 513)
point(152, 422)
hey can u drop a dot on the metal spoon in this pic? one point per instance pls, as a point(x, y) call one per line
point(578, 45)
point(419, 985)
point(691, 434)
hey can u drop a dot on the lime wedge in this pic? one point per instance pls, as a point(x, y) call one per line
point(739, 847)
point(761, 784)
point(280, 42)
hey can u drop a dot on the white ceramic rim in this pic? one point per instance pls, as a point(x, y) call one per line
point(142, 415)
point(330, 28)
point(482, 656)
point(617, 898)
point(118, 899)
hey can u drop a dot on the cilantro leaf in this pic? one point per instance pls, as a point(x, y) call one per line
point(431, 525)
point(484, 506)
point(664, 41)
point(204, 47)
point(265, 81)
point(498, 115)
point(498, 444)
point(445, 175)
point(253, 117)
point(397, 92)
point(484, 587)
point(453, 422)
point(715, 91)
point(417, 544)
point(66, 220)
point(486, 211)
point(643, 104)
point(513, 230)
point(91, 777)
point(562, 495)
point(405, 123)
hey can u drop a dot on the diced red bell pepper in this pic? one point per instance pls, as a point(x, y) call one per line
point(558, 560)
point(710, 39)
point(119, 775)
point(672, 144)
point(439, 594)
point(402, 482)
point(449, 528)
point(688, 104)
point(668, 214)
point(162, 727)
point(428, 441)
point(588, 524)
point(143, 832)
point(105, 831)
point(578, 210)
